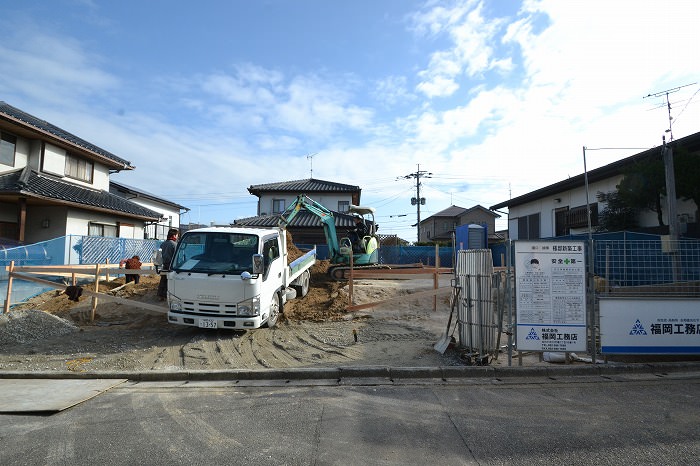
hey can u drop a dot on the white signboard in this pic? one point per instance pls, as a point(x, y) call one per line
point(650, 325)
point(551, 295)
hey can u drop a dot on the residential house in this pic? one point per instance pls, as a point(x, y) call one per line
point(561, 208)
point(440, 226)
point(305, 228)
point(169, 211)
point(53, 183)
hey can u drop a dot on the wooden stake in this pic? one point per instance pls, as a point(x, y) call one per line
point(97, 290)
point(350, 284)
point(6, 309)
point(435, 275)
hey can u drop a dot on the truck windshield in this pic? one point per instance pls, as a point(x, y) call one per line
point(215, 253)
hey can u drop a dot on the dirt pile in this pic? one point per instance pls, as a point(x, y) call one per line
point(293, 252)
point(326, 299)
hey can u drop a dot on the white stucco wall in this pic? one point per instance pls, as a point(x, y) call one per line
point(329, 201)
point(78, 220)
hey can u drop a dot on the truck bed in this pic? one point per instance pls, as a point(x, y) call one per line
point(303, 263)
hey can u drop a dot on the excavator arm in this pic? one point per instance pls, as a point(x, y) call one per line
point(326, 216)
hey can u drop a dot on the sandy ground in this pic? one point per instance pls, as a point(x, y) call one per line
point(316, 331)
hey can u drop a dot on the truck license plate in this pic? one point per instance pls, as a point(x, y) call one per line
point(207, 323)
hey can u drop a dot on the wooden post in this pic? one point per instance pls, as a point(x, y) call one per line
point(6, 308)
point(351, 279)
point(436, 281)
point(97, 290)
point(107, 275)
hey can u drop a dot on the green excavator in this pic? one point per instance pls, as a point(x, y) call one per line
point(364, 253)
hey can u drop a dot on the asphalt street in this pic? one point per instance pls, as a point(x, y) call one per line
point(623, 418)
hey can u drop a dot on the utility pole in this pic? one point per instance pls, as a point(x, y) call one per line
point(418, 201)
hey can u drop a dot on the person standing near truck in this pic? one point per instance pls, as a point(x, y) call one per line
point(168, 249)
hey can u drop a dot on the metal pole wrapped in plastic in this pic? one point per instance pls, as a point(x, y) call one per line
point(477, 315)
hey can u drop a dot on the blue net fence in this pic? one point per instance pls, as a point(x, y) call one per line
point(630, 259)
point(69, 250)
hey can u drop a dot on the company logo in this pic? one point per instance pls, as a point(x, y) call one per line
point(638, 329)
point(532, 335)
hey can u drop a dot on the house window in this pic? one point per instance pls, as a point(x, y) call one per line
point(7, 149)
point(343, 206)
point(529, 227)
point(277, 206)
point(561, 227)
point(577, 217)
point(100, 229)
point(77, 168)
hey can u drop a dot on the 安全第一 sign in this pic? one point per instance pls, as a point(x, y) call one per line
point(550, 281)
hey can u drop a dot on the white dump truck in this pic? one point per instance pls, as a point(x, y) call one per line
point(234, 277)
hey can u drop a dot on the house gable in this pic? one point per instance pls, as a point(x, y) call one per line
point(440, 226)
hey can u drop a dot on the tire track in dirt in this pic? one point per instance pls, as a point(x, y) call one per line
point(308, 348)
point(257, 348)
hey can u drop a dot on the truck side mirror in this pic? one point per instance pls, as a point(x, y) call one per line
point(258, 264)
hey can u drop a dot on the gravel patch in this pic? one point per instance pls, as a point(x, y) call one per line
point(31, 325)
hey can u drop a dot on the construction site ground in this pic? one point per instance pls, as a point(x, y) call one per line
point(52, 333)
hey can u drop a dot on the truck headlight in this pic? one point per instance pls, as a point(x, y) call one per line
point(249, 307)
point(176, 306)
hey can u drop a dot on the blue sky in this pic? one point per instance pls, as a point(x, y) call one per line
point(494, 98)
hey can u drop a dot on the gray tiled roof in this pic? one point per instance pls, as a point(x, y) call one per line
point(302, 186)
point(125, 190)
point(27, 182)
point(31, 120)
point(303, 219)
point(452, 211)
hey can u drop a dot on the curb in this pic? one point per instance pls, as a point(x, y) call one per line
point(377, 372)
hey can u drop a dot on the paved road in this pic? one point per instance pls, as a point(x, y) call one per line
point(611, 419)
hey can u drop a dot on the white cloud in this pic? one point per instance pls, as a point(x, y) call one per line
point(317, 108)
point(470, 53)
point(51, 70)
point(392, 90)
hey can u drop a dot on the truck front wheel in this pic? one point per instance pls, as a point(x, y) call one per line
point(275, 311)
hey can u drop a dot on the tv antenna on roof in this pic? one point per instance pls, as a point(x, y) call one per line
point(310, 157)
point(668, 104)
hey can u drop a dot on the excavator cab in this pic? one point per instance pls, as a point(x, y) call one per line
point(368, 253)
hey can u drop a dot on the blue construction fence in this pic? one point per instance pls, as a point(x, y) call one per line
point(631, 259)
point(69, 250)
